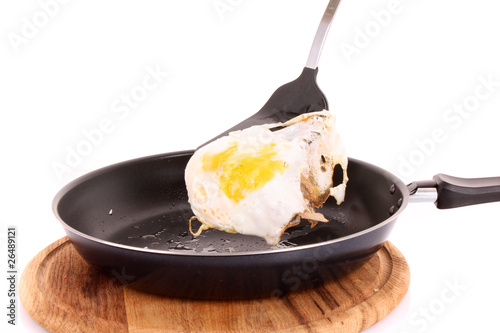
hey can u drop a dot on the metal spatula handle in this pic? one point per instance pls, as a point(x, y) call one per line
point(321, 33)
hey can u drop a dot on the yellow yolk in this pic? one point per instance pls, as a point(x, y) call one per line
point(244, 172)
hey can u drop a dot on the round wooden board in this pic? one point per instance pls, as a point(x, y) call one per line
point(61, 292)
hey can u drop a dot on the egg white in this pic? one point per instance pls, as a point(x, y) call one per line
point(304, 153)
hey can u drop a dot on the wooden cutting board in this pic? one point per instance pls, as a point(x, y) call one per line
point(62, 293)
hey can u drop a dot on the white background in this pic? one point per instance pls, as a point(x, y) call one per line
point(408, 69)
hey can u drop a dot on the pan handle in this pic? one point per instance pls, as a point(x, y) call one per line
point(452, 192)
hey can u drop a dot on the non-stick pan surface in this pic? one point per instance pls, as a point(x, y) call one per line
point(131, 221)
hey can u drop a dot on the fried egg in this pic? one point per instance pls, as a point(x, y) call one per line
point(263, 179)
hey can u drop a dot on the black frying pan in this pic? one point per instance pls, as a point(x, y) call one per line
point(130, 220)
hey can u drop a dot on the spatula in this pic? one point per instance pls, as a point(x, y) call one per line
point(299, 96)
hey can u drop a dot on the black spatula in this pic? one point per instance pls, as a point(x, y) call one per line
point(299, 96)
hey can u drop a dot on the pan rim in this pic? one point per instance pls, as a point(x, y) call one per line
point(66, 188)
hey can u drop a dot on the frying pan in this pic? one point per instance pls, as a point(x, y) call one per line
point(130, 220)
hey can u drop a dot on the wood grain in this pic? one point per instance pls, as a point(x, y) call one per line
point(63, 293)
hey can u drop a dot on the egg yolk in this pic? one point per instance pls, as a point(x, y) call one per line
point(244, 171)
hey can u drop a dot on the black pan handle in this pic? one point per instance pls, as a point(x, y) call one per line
point(455, 192)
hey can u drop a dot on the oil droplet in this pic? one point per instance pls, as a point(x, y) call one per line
point(148, 237)
point(180, 247)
